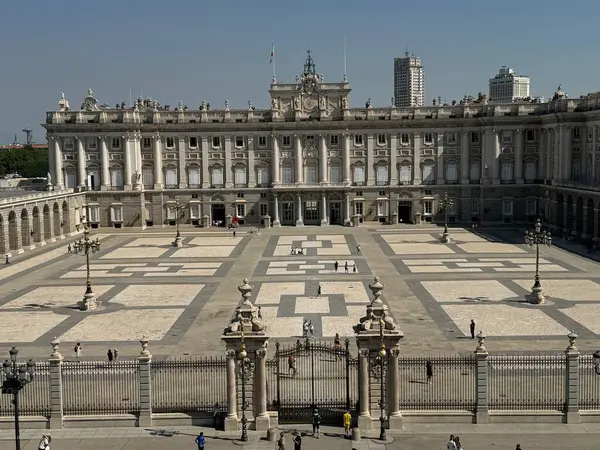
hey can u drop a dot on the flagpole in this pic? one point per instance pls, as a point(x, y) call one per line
point(345, 61)
point(273, 53)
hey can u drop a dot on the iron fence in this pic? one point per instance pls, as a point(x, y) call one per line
point(589, 384)
point(94, 387)
point(34, 398)
point(189, 385)
point(527, 382)
point(452, 387)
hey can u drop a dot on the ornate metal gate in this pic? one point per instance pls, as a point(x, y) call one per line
point(320, 375)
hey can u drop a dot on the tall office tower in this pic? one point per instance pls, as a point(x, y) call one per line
point(409, 81)
point(506, 86)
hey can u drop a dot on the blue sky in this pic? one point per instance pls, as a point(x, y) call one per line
point(194, 50)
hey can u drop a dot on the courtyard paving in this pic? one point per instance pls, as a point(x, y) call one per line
point(183, 298)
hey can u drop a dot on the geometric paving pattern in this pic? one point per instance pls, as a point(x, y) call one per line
point(162, 270)
point(199, 247)
point(480, 265)
point(315, 267)
point(312, 245)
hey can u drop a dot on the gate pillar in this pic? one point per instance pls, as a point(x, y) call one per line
point(378, 338)
point(246, 340)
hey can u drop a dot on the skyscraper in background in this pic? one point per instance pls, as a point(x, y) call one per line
point(409, 81)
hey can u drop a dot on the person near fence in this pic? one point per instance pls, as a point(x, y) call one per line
point(200, 441)
point(216, 415)
point(115, 354)
point(457, 443)
point(311, 329)
point(518, 447)
point(281, 441)
point(451, 445)
point(298, 442)
point(305, 329)
point(109, 354)
point(77, 351)
point(347, 423)
point(354, 268)
point(316, 423)
point(337, 346)
point(429, 371)
point(292, 365)
point(346, 267)
point(336, 265)
point(472, 328)
point(45, 442)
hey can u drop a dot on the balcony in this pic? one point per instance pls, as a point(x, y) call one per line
point(381, 183)
point(240, 185)
point(216, 186)
point(359, 183)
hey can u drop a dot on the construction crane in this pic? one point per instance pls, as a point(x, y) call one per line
point(28, 135)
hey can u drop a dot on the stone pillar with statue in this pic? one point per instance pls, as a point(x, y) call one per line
point(246, 345)
point(378, 338)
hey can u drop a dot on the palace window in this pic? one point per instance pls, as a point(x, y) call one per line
point(240, 210)
point(311, 210)
point(194, 177)
point(531, 207)
point(194, 210)
point(507, 207)
point(530, 135)
point(262, 176)
point(428, 207)
point(193, 142)
point(263, 209)
point(382, 177)
point(262, 141)
point(171, 177)
point(287, 177)
point(216, 141)
point(311, 174)
point(239, 141)
point(116, 178)
point(170, 142)
point(381, 139)
point(474, 172)
point(428, 138)
point(147, 143)
point(286, 141)
point(530, 170)
point(428, 174)
point(506, 173)
point(333, 139)
point(115, 143)
point(335, 174)
point(69, 144)
point(216, 176)
point(116, 213)
point(405, 175)
point(92, 144)
point(475, 137)
point(94, 214)
point(452, 138)
point(359, 174)
point(148, 177)
point(577, 133)
point(404, 139)
point(359, 208)
point(451, 172)
point(239, 176)
point(475, 207)
point(358, 140)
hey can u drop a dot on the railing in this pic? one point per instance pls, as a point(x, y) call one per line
point(452, 387)
point(589, 384)
point(526, 382)
point(97, 387)
point(35, 396)
point(189, 385)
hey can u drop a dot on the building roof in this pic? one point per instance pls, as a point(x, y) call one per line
point(11, 146)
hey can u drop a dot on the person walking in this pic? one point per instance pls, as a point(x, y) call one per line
point(233, 233)
point(292, 365)
point(319, 291)
point(305, 329)
point(45, 442)
point(429, 370)
point(347, 423)
point(472, 328)
point(354, 268)
point(69, 250)
point(451, 445)
point(298, 442)
point(109, 353)
point(358, 250)
point(457, 443)
point(346, 267)
point(77, 351)
point(311, 329)
point(6, 261)
point(216, 415)
point(200, 441)
point(335, 266)
point(115, 354)
point(316, 423)
point(281, 441)
point(259, 313)
point(518, 447)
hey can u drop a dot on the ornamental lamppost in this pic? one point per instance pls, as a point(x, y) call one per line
point(535, 238)
point(16, 377)
point(445, 204)
point(596, 358)
point(86, 246)
point(246, 368)
point(177, 208)
point(380, 362)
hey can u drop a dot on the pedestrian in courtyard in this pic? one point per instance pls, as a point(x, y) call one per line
point(451, 445)
point(518, 447)
point(347, 423)
point(311, 329)
point(116, 354)
point(457, 442)
point(336, 265)
point(358, 249)
point(346, 267)
point(429, 371)
point(281, 441)
point(45, 442)
point(216, 415)
point(319, 291)
point(69, 250)
point(297, 441)
point(354, 268)
point(200, 440)
point(259, 313)
point(6, 261)
point(233, 233)
point(77, 350)
point(292, 366)
point(316, 423)
point(472, 328)
point(109, 353)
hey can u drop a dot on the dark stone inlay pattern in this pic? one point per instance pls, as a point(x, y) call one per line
point(361, 266)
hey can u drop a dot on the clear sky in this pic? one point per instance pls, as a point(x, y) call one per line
point(194, 50)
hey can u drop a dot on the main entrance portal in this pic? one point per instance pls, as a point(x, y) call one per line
point(287, 213)
point(335, 213)
point(405, 211)
point(218, 213)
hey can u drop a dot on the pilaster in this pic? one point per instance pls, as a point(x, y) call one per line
point(299, 175)
point(263, 421)
point(416, 158)
point(370, 159)
point(395, 416)
point(183, 178)
point(542, 149)
point(251, 171)
point(482, 414)
point(205, 173)
point(519, 151)
point(275, 165)
point(128, 172)
point(493, 150)
point(299, 220)
point(51, 161)
point(231, 421)
point(568, 152)
point(393, 160)
point(440, 158)
point(158, 163)
point(145, 380)
point(276, 222)
point(324, 221)
point(346, 157)
point(464, 158)
point(228, 169)
point(81, 163)
point(105, 168)
point(56, 397)
point(59, 182)
point(323, 158)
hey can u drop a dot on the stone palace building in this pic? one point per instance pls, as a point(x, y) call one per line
point(312, 160)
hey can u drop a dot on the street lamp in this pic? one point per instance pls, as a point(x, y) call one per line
point(177, 208)
point(16, 377)
point(246, 368)
point(445, 204)
point(535, 238)
point(86, 246)
point(596, 358)
point(380, 361)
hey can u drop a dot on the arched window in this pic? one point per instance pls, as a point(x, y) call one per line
point(239, 175)
point(263, 176)
point(451, 172)
point(194, 177)
point(171, 176)
point(428, 172)
point(358, 175)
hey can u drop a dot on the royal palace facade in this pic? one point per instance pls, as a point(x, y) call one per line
point(312, 160)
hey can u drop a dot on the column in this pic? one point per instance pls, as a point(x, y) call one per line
point(251, 173)
point(81, 163)
point(127, 141)
point(370, 160)
point(145, 380)
point(393, 160)
point(158, 163)
point(549, 153)
point(324, 221)
point(298, 159)
point(183, 178)
point(105, 174)
point(348, 216)
point(573, 382)
point(56, 391)
point(441, 179)
point(276, 222)
point(299, 221)
point(137, 160)
point(464, 158)
point(263, 422)
point(228, 169)
point(51, 158)
point(59, 180)
point(482, 414)
point(205, 173)
point(231, 421)
point(364, 399)
point(275, 164)
point(493, 143)
point(346, 158)
point(593, 155)
point(395, 417)
point(557, 156)
point(416, 158)
point(568, 153)
point(541, 166)
point(519, 152)
point(41, 232)
point(323, 157)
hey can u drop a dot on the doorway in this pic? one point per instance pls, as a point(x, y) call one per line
point(405, 211)
point(218, 213)
point(287, 213)
point(335, 213)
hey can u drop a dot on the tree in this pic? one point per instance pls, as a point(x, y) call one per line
point(26, 161)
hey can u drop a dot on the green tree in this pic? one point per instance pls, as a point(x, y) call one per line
point(27, 162)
